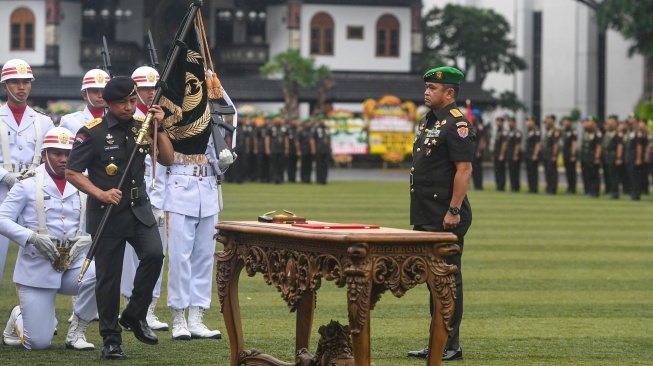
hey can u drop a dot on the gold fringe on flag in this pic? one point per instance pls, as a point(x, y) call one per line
point(213, 85)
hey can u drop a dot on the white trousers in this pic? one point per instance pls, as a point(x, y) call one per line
point(37, 306)
point(190, 254)
point(4, 247)
point(130, 263)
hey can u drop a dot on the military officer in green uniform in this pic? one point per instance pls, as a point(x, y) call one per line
point(590, 156)
point(321, 149)
point(499, 150)
point(611, 156)
point(550, 147)
point(569, 142)
point(442, 167)
point(102, 147)
point(293, 148)
point(276, 147)
point(513, 153)
point(532, 154)
point(304, 151)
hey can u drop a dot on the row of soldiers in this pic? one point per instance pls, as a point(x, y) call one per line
point(622, 149)
point(271, 151)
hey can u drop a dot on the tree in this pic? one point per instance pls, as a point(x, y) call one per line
point(295, 71)
point(478, 36)
point(630, 18)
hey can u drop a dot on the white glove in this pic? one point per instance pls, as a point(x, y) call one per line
point(226, 158)
point(159, 216)
point(10, 179)
point(44, 245)
point(80, 245)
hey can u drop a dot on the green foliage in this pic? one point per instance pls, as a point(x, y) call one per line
point(549, 280)
point(631, 19)
point(645, 110)
point(295, 71)
point(480, 36)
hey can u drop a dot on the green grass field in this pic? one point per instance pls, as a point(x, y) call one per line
point(549, 280)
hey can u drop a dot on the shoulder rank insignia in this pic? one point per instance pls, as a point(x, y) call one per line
point(139, 119)
point(456, 113)
point(26, 175)
point(93, 123)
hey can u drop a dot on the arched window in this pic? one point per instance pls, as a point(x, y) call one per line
point(21, 30)
point(387, 36)
point(322, 34)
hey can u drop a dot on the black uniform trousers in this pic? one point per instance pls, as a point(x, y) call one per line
point(624, 179)
point(611, 179)
point(513, 170)
point(276, 168)
point(591, 179)
point(570, 173)
point(643, 174)
point(108, 268)
point(532, 175)
point(252, 170)
point(292, 168)
point(551, 175)
point(263, 167)
point(500, 174)
point(453, 341)
point(239, 168)
point(634, 173)
point(306, 168)
point(322, 167)
point(477, 173)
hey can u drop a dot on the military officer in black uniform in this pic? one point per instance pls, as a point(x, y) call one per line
point(643, 138)
point(634, 148)
point(442, 166)
point(250, 157)
point(262, 158)
point(590, 156)
point(611, 156)
point(513, 153)
point(321, 149)
point(569, 142)
point(102, 147)
point(304, 151)
point(276, 147)
point(499, 149)
point(550, 147)
point(532, 154)
point(481, 138)
point(293, 148)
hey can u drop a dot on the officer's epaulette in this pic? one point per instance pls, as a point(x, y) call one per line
point(456, 112)
point(139, 119)
point(26, 175)
point(93, 123)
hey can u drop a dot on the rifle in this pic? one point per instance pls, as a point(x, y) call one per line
point(185, 28)
point(106, 56)
point(154, 60)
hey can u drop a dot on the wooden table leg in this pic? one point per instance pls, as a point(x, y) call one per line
point(231, 313)
point(361, 345)
point(304, 322)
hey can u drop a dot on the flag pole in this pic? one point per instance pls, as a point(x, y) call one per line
point(185, 28)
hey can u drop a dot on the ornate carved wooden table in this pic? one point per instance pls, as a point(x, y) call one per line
point(367, 261)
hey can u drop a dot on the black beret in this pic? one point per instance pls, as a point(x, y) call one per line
point(119, 87)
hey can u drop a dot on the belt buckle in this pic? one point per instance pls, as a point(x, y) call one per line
point(133, 193)
point(411, 179)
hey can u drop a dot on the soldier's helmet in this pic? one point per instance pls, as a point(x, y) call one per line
point(145, 76)
point(95, 78)
point(16, 69)
point(58, 138)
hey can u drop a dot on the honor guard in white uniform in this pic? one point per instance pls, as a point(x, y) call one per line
point(92, 87)
point(52, 250)
point(192, 199)
point(146, 79)
point(21, 132)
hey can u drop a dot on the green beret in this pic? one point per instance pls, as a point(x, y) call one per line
point(528, 116)
point(306, 120)
point(552, 116)
point(615, 116)
point(512, 118)
point(253, 115)
point(320, 116)
point(294, 116)
point(633, 114)
point(444, 75)
point(593, 117)
point(119, 87)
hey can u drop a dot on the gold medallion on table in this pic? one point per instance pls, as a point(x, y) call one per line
point(111, 169)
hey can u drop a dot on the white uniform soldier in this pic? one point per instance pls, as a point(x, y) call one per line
point(52, 247)
point(93, 85)
point(146, 79)
point(21, 132)
point(192, 199)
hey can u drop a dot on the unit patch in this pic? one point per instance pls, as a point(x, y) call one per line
point(463, 132)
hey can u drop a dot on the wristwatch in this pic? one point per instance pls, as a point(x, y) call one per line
point(454, 210)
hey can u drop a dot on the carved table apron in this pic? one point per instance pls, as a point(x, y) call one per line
point(367, 261)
